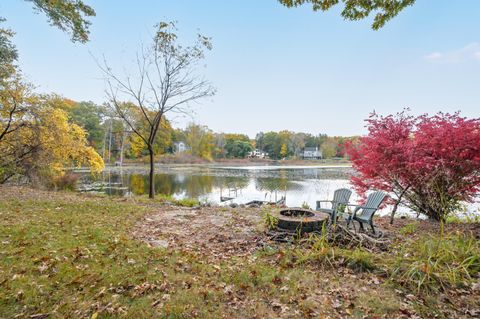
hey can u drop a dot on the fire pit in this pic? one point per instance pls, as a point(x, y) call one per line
point(302, 220)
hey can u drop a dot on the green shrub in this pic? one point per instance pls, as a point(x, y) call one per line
point(437, 263)
point(270, 220)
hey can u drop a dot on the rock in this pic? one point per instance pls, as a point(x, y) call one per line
point(233, 205)
point(160, 243)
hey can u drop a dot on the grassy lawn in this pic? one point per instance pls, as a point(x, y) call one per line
point(71, 255)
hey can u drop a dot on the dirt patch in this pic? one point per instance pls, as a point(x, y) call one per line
point(215, 232)
point(219, 233)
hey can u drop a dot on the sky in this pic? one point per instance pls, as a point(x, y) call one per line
point(274, 68)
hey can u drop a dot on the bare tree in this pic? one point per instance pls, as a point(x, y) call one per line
point(165, 81)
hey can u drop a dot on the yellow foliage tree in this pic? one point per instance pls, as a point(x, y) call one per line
point(284, 151)
point(200, 140)
point(36, 139)
point(163, 138)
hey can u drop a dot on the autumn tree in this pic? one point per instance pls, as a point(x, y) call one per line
point(37, 140)
point(329, 148)
point(89, 116)
point(431, 164)
point(70, 16)
point(353, 10)
point(297, 143)
point(165, 82)
point(163, 141)
point(200, 140)
point(219, 141)
point(283, 150)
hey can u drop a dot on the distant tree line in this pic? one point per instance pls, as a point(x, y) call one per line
point(287, 144)
point(115, 141)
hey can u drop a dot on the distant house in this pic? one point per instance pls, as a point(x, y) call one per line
point(312, 153)
point(180, 147)
point(257, 154)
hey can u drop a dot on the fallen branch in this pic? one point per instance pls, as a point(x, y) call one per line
point(338, 234)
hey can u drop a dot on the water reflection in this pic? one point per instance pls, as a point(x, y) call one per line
point(210, 183)
point(300, 185)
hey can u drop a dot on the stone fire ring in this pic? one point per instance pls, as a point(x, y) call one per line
point(300, 219)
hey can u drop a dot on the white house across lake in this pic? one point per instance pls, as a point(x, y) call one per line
point(312, 153)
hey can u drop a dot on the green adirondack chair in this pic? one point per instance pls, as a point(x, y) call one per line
point(363, 214)
point(340, 200)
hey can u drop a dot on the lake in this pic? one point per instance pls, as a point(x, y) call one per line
point(209, 183)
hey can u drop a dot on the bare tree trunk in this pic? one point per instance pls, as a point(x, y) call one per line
point(394, 210)
point(122, 146)
point(110, 143)
point(104, 144)
point(151, 191)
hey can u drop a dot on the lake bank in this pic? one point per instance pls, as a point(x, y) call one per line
point(239, 161)
point(80, 255)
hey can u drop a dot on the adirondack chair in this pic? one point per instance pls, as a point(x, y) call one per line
point(363, 214)
point(340, 199)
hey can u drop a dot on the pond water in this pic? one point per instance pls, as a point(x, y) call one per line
point(299, 185)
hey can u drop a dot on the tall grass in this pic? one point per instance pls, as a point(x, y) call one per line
point(323, 253)
point(437, 263)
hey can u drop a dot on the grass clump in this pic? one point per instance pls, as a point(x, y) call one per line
point(305, 205)
point(186, 202)
point(322, 253)
point(162, 198)
point(437, 263)
point(270, 221)
point(409, 229)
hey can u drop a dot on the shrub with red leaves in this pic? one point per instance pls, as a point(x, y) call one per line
point(429, 163)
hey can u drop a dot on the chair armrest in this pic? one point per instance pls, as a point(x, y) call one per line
point(361, 207)
point(366, 207)
point(321, 201)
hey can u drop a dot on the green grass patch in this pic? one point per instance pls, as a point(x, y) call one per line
point(435, 263)
point(66, 255)
point(163, 199)
point(409, 229)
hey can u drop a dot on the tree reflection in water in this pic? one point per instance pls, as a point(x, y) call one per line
point(185, 185)
point(208, 183)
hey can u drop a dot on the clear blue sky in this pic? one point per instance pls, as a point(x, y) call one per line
point(276, 68)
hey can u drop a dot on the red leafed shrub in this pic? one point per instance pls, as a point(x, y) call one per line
point(429, 163)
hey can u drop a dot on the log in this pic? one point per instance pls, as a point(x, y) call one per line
point(338, 235)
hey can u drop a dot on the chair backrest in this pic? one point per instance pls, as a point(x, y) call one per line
point(373, 202)
point(341, 197)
